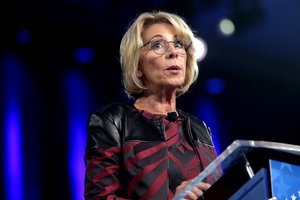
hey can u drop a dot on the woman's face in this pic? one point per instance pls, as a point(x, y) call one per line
point(159, 70)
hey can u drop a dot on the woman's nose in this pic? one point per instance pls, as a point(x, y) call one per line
point(172, 51)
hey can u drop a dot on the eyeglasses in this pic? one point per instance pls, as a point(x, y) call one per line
point(161, 46)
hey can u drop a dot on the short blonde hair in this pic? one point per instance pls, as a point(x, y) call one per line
point(132, 42)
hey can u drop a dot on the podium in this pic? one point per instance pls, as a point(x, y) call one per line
point(250, 169)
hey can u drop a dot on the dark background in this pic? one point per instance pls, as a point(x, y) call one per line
point(55, 91)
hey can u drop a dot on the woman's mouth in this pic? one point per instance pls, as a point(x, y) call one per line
point(174, 68)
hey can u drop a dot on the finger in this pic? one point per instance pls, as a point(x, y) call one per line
point(191, 195)
point(197, 191)
point(182, 185)
point(203, 186)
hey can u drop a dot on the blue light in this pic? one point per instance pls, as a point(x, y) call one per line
point(24, 36)
point(84, 55)
point(76, 91)
point(214, 85)
point(207, 112)
point(13, 154)
point(13, 163)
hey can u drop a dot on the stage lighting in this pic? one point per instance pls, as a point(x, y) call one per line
point(84, 55)
point(226, 27)
point(201, 49)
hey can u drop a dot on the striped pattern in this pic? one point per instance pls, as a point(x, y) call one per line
point(144, 169)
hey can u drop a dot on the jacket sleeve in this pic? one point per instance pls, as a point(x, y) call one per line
point(202, 138)
point(208, 153)
point(102, 159)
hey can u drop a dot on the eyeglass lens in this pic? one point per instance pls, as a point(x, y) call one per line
point(162, 46)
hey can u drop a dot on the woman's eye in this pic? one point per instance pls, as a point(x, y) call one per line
point(157, 44)
point(178, 44)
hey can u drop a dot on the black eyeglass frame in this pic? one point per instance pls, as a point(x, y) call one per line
point(167, 46)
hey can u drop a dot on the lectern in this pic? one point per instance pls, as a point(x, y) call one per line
point(260, 170)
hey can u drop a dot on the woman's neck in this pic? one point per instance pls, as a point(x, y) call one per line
point(156, 105)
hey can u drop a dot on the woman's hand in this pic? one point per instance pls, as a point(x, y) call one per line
point(195, 193)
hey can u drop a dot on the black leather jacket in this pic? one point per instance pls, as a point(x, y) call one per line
point(117, 124)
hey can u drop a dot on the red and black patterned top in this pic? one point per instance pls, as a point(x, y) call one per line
point(141, 156)
point(182, 159)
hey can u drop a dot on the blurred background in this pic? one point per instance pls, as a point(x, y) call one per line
point(59, 62)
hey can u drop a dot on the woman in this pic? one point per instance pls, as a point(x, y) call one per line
point(149, 149)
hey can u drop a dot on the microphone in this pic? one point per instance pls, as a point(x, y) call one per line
point(172, 116)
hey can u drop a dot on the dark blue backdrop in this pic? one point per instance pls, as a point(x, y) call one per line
point(59, 62)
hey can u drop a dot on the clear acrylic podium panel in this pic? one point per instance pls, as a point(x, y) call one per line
point(235, 152)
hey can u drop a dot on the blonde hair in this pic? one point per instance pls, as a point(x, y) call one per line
point(132, 42)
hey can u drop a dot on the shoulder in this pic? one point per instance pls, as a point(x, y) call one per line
point(108, 115)
point(113, 109)
point(198, 127)
point(105, 125)
point(111, 112)
point(192, 117)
